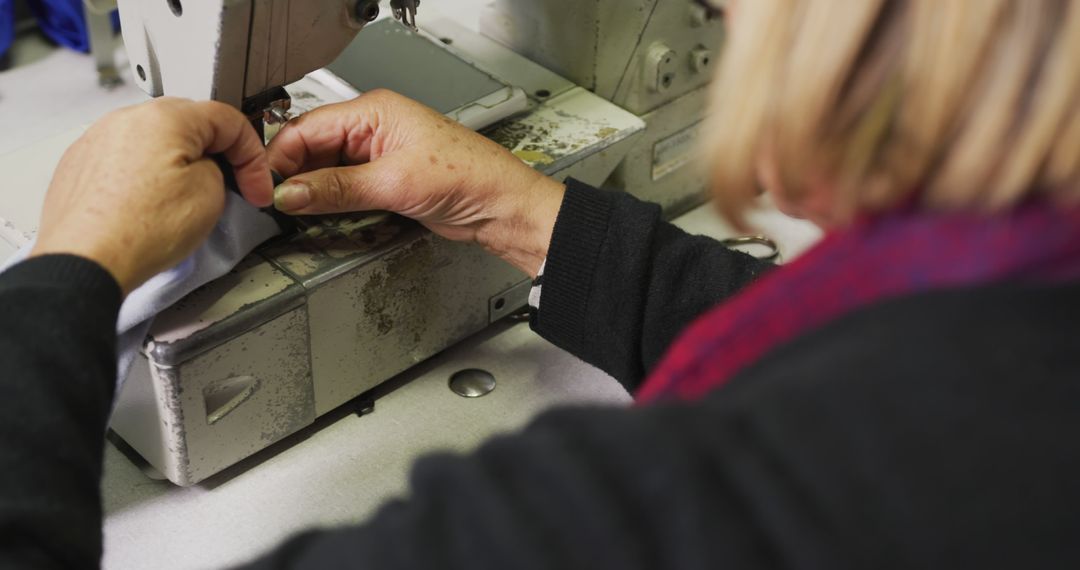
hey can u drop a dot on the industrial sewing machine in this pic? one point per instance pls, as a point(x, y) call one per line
point(608, 91)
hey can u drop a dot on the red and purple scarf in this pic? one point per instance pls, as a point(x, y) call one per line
point(901, 253)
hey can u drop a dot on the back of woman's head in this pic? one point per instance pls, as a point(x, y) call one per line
point(971, 103)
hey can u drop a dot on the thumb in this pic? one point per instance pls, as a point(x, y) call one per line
point(371, 186)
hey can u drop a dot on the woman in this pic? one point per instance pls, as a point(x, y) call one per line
point(903, 395)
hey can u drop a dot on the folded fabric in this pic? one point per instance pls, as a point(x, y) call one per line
point(241, 228)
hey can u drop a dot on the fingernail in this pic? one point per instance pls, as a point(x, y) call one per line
point(291, 196)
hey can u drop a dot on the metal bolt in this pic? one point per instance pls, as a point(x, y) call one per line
point(701, 59)
point(472, 383)
point(660, 67)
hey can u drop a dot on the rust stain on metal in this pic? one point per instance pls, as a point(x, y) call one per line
point(549, 136)
point(534, 157)
point(398, 289)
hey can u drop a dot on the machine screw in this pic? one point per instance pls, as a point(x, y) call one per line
point(660, 67)
point(367, 10)
point(701, 59)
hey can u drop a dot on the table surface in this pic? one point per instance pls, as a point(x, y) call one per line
point(340, 470)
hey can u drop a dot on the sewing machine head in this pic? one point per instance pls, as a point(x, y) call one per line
point(241, 52)
point(603, 90)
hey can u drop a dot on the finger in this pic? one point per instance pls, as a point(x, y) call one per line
point(381, 185)
point(226, 131)
point(326, 137)
point(206, 173)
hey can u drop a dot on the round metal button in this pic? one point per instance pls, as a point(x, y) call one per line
point(472, 383)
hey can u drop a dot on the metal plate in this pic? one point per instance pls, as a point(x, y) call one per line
point(420, 68)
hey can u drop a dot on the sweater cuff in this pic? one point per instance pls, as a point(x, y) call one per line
point(575, 247)
point(69, 272)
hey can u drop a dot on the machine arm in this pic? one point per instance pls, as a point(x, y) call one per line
point(239, 51)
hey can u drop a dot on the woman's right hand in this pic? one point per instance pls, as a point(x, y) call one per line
point(383, 151)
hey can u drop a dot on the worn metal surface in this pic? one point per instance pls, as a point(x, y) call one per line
point(167, 412)
point(284, 401)
point(611, 46)
point(663, 166)
point(652, 57)
point(248, 296)
point(380, 320)
point(335, 245)
point(250, 324)
point(315, 319)
point(564, 130)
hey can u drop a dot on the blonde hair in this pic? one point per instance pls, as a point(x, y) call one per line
point(971, 103)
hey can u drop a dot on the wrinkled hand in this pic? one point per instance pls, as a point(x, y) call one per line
point(383, 151)
point(138, 193)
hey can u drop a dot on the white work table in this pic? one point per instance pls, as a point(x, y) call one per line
point(340, 470)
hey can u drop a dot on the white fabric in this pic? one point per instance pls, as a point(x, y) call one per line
point(537, 288)
point(240, 229)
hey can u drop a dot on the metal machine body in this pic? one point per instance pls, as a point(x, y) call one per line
point(311, 321)
point(653, 58)
point(232, 50)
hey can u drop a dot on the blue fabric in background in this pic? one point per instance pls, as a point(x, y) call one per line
point(63, 21)
point(7, 24)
